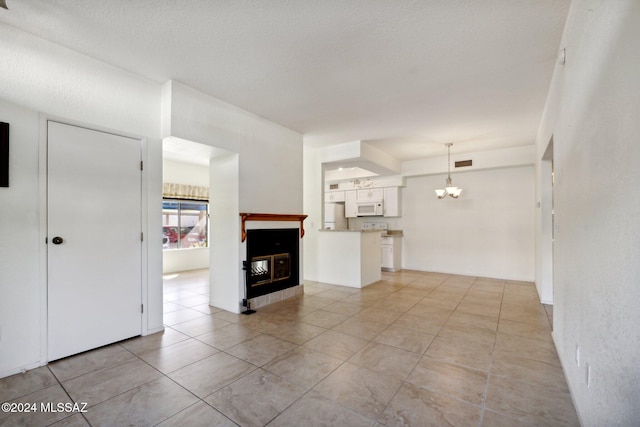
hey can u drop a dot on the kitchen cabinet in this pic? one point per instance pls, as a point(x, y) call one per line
point(371, 195)
point(390, 196)
point(391, 248)
point(392, 203)
point(387, 256)
point(350, 205)
point(334, 196)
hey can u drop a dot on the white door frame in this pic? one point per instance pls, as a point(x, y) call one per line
point(43, 232)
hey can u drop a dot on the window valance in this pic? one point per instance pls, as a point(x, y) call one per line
point(184, 191)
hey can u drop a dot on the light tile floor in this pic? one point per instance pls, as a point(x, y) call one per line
point(418, 349)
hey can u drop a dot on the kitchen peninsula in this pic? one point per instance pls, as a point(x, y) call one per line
point(349, 257)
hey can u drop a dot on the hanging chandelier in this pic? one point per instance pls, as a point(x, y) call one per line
point(449, 188)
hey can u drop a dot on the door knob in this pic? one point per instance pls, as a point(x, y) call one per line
point(57, 240)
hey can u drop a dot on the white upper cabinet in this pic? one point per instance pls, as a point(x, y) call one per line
point(334, 196)
point(390, 196)
point(350, 207)
point(392, 202)
point(371, 195)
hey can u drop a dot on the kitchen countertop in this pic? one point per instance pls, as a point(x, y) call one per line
point(352, 231)
point(385, 233)
point(392, 233)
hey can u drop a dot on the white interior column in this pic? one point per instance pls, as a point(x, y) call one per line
point(224, 251)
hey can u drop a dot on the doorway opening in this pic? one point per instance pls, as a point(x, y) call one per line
point(185, 218)
point(201, 166)
point(547, 225)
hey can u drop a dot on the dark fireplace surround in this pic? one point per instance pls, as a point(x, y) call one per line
point(272, 260)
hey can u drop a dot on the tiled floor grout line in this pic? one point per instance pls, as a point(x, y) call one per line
point(424, 354)
point(400, 292)
point(308, 391)
point(486, 389)
point(125, 391)
point(311, 389)
point(454, 309)
point(404, 380)
point(67, 393)
point(482, 404)
point(166, 375)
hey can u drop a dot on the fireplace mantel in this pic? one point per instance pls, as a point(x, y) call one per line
point(270, 217)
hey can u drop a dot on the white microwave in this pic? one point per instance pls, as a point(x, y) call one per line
point(369, 209)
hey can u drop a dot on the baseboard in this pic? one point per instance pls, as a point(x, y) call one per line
point(153, 331)
point(564, 371)
point(21, 369)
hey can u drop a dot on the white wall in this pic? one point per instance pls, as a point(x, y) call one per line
point(41, 77)
point(174, 260)
point(488, 231)
point(262, 173)
point(492, 159)
point(185, 173)
point(592, 113)
point(49, 78)
point(20, 296)
point(270, 154)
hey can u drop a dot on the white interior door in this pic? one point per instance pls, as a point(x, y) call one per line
point(94, 239)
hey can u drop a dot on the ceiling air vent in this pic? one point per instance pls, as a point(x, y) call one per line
point(463, 163)
point(333, 186)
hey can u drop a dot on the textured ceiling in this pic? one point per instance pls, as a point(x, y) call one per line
point(406, 76)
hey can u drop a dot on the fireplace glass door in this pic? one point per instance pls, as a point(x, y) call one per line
point(273, 260)
point(270, 268)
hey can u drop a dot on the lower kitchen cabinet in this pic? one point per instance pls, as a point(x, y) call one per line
point(391, 248)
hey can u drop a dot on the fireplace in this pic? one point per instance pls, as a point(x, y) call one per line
point(272, 261)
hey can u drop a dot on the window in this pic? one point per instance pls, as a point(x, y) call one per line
point(185, 224)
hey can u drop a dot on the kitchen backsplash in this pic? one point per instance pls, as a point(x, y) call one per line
point(373, 226)
point(391, 223)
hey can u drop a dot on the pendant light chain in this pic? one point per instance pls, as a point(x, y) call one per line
point(449, 189)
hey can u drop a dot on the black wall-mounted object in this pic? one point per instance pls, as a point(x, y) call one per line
point(4, 154)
